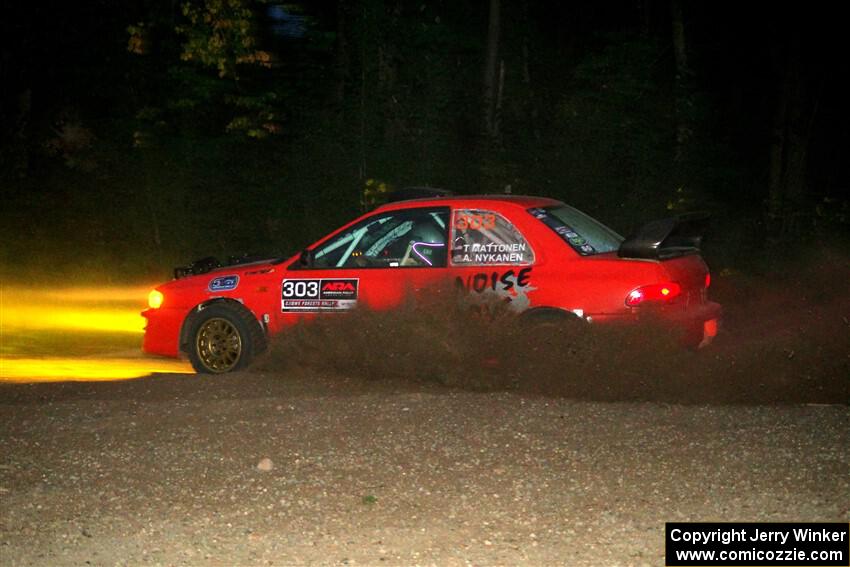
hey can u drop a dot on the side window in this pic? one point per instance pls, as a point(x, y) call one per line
point(483, 238)
point(405, 238)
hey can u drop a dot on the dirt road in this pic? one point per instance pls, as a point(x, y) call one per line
point(164, 471)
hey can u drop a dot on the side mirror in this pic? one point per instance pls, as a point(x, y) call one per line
point(307, 258)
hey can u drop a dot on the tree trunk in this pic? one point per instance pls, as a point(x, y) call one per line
point(20, 144)
point(644, 8)
point(777, 151)
point(682, 84)
point(679, 46)
point(789, 147)
point(796, 140)
point(531, 105)
point(387, 88)
point(343, 61)
point(491, 76)
point(497, 113)
point(364, 32)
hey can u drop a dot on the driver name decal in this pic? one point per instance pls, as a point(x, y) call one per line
point(332, 294)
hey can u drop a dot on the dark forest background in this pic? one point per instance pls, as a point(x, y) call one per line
point(139, 135)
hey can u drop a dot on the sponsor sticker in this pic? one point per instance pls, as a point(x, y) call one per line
point(223, 283)
point(327, 294)
point(565, 231)
point(511, 285)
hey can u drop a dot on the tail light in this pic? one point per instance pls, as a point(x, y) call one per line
point(707, 280)
point(663, 292)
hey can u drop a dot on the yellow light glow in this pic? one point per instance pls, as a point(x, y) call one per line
point(155, 298)
point(129, 294)
point(55, 369)
point(44, 316)
point(107, 310)
point(59, 321)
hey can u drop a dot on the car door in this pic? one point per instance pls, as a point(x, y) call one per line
point(376, 263)
point(490, 257)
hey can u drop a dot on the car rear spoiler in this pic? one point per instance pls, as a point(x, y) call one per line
point(666, 238)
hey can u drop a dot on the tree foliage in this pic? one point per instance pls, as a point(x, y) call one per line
point(220, 34)
point(207, 131)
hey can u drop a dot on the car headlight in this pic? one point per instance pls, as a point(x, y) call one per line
point(155, 299)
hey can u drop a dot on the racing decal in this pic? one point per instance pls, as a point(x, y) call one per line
point(329, 294)
point(490, 253)
point(475, 221)
point(481, 238)
point(223, 283)
point(511, 285)
point(566, 232)
point(495, 281)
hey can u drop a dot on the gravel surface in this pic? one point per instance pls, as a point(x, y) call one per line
point(256, 469)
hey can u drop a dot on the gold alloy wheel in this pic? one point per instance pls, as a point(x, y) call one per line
point(218, 344)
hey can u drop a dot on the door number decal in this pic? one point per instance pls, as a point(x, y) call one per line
point(331, 294)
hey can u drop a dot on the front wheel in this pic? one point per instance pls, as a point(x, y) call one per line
point(223, 338)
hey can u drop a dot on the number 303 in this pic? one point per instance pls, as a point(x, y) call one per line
point(300, 289)
point(476, 222)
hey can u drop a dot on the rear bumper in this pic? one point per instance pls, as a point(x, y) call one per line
point(709, 331)
point(698, 325)
point(162, 332)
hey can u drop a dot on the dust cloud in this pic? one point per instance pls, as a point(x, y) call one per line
point(785, 338)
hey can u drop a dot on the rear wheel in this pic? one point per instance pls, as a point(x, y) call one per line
point(549, 317)
point(552, 328)
point(224, 338)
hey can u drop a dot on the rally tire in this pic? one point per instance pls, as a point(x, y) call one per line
point(223, 338)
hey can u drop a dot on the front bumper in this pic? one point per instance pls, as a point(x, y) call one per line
point(162, 332)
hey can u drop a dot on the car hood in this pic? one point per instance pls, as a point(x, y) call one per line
point(211, 278)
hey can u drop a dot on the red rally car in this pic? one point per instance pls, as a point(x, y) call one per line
point(546, 258)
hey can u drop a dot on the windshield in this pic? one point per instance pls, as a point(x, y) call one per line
point(583, 233)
